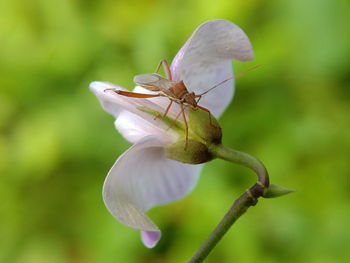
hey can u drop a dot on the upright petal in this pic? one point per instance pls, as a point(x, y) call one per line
point(205, 60)
point(142, 178)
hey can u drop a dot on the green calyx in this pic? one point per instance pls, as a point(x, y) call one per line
point(192, 152)
point(203, 131)
point(204, 125)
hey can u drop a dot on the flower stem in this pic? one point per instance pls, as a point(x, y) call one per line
point(240, 205)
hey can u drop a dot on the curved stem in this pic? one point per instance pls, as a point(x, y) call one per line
point(240, 205)
point(248, 161)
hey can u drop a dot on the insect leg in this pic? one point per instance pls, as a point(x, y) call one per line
point(167, 109)
point(134, 94)
point(166, 68)
point(174, 121)
point(199, 98)
point(186, 125)
point(205, 109)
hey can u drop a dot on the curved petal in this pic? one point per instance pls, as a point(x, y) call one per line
point(129, 115)
point(205, 60)
point(142, 178)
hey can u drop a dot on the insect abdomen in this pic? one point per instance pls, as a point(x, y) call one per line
point(178, 90)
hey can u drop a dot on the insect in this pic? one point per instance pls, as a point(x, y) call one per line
point(175, 91)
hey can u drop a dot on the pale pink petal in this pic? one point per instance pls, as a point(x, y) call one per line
point(134, 128)
point(205, 60)
point(142, 178)
point(108, 105)
point(140, 120)
point(149, 238)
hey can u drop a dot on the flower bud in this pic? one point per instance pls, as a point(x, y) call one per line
point(203, 130)
point(275, 190)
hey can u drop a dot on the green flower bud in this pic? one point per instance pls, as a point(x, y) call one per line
point(203, 131)
point(193, 152)
point(192, 147)
point(275, 190)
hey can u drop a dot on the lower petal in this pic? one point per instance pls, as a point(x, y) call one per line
point(142, 178)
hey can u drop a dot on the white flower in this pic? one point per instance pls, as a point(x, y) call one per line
point(143, 177)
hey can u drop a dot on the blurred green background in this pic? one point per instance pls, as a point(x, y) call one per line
point(57, 144)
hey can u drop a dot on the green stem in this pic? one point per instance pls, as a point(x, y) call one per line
point(240, 205)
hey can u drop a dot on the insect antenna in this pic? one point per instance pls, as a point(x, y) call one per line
point(233, 77)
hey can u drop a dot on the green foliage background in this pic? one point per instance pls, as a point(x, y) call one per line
point(57, 144)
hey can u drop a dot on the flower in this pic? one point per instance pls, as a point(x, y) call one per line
point(143, 177)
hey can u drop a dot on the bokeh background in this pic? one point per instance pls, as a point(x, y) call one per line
point(57, 144)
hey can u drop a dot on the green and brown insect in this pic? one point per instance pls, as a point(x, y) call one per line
point(175, 91)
